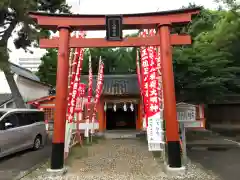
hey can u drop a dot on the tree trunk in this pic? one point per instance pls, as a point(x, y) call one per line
point(17, 97)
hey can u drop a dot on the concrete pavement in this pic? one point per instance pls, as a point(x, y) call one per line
point(205, 138)
point(224, 163)
point(12, 166)
point(219, 155)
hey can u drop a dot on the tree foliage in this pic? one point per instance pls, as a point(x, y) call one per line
point(116, 61)
point(14, 19)
point(48, 68)
point(14, 15)
point(209, 69)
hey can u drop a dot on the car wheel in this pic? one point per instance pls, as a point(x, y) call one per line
point(37, 143)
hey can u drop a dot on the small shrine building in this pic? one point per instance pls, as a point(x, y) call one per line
point(120, 103)
point(120, 106)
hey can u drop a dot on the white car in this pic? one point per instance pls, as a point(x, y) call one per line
point(21, 129)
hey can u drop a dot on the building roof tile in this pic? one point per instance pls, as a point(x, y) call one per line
point(23, 72)
point(117, 84)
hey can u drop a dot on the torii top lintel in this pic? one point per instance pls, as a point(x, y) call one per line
point(130, 21)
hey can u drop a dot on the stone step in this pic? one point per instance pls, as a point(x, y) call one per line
point(121, 134)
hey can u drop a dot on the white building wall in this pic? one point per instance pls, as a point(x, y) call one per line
point(30, 63)
point(4, 84)
point(31, 90)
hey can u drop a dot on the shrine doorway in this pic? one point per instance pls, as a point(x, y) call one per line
point(120, 119)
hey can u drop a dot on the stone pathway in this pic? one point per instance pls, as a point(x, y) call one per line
point(117, 158)
point(124, 159)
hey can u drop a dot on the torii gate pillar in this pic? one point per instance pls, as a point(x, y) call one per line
point(57, 158)
point(170, 111)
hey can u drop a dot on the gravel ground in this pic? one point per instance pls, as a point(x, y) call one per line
point(126, 159)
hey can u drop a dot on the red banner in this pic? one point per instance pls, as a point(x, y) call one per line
point(144, 75)
point(90, 80)
point(80, 97)
point(99, 86)
point(140, 83)
point(153, 89)
point(157, 55)
point(90, 76)
point(75, 81)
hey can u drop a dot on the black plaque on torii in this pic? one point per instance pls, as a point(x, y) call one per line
point(114, 28)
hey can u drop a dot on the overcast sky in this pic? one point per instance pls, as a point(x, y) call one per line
point(115, 7)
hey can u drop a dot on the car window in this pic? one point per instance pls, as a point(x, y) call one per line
point(39, 116)
point(25, 118)
point(2, 125)
point(9, 122)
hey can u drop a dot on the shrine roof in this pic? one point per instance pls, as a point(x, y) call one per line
point(176, 11)
point(116, 84)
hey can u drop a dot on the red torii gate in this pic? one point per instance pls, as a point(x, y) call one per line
point(66, 23)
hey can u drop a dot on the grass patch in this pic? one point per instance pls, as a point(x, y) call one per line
point(92, 140)
point(80, 151)
point(142, 138)
point(77, 152)
point(157, 154)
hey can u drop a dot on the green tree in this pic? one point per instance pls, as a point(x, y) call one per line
point(48, 67)
point(234, 5)
point(208, 70)
point(116, 61)
point(13, 16)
